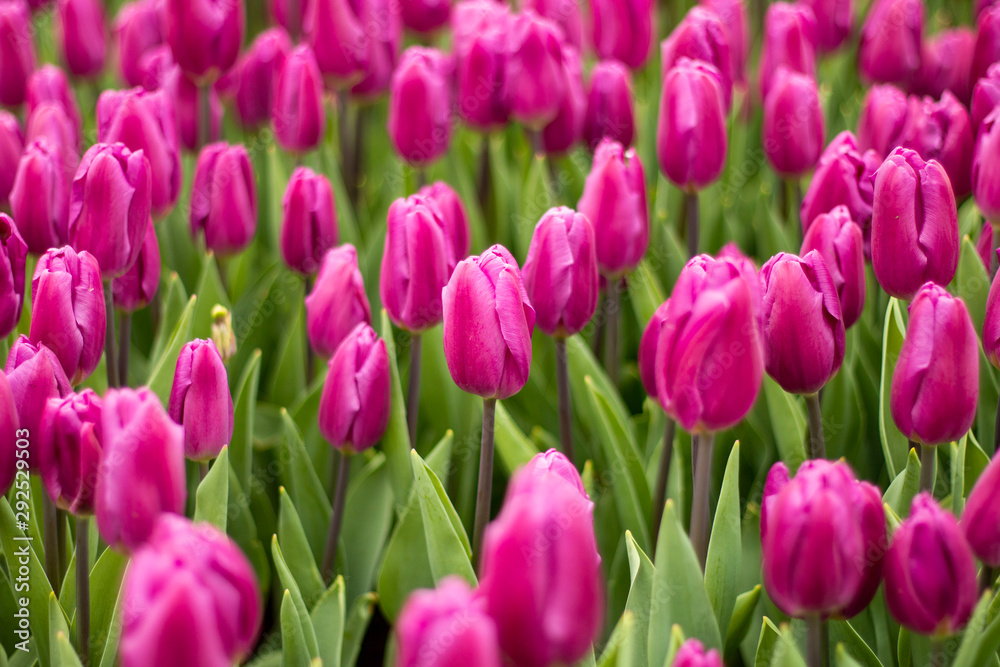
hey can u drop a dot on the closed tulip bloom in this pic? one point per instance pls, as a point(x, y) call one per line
point(544, 470)
point(13, 259)
point(49, 122)
point(984, 246)
point(914, 224)
point(425, 16)
point(979, 521)
point(145, 120)
point(792, 129)
point(946, 64)
point(9, 427)
point(200, 400)
point(39, 197)
point(446, 627)
point(843, 177)
point(693, 654)
point(158, 68)
point(35, 375)
point(281, 12)
point(49, 84)
point(309, 221)
point(383, 27)
point(986, 168)
point(205, 35)
point(930, 574)
point(941, 131)
point(17, 51)
point(137, 30)
point(488, 320)
point(691, 132)
point(110, 206)
point(647, 350)
point(889, 48)
point(354, 406)
point(702, 36)
point(823, 538)
point(337, 302)
point(834, 20)
point(189, 101)
point(337, 35)
point(803, 325)
point(480, 30)
point(987, 47)
point(883, 115)
point(733, 14)
point(299, 114)
point(985, 96)
point(11, 148)
point(789, 42)
point(935, 386)
point(253, 79)
point(224, 198)
point(614, 200)
point(560, 273)
point(452, 210)
point(420, 105)
point(191, 598)
point(623, 30)
point(566, 129)
point(534, 83)
point(82, 36)
point(68, 311)
point(609, 105)
point(137, 287)
point(70, 450)
point(838, 239)
point(564, 13)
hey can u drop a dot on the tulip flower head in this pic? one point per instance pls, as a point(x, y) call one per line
point(480, 30)
point(299, 114)
point(452, 210)
point(13, 259)
point(137, 30)
point(941, 130)
point(839, 241)
point(420, 105)
point(337, 302)
point(35, 375)
point(204, 35)
point(693, 654)
point(623, 30)
point(647, 350)
point(985, 96)
point(891, 38)
point(139, 285)
point(609, 105)
point(200, 400)
point(17, 51)
point(979, 521)
point(224, 198)
point(49, 84)
point(9, 427)
point(986, 168)
point(11, 148)
point(566, 129)
point(252, 81)
point(790, 41)
point(309, 222)
point(82, 35)
point(70, 450)
point(792, 128)
point(883, 114)
point(843, 177)
point(701, 36)
point(534, 84)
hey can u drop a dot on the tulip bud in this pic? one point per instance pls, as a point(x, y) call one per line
point(883, 114)
point(82, 36)
point(691, 132)
point(109, 206)
point(843, 177)
point(935, 387)
point(914, 224)
point(822, 538)
point(354, 406)
point(453, 213)
point(253, 79)
point(189, 101)
point(17, 51)
point(987, 48)
point(144, 120)
point(566, 129)
point(309, 223)
point(189, 581)
point(792, 129)
point(70, 450)
point(39, 197)
point(338, 301)
point(541, 573)
point(49, 122)
point(383, 27)
point(985, 96)
point(622, 30)
point(980, 523)
point(204, 35)
point(68, 311)
point(48, 84)
point(790, 34)
point(609, 105)
point(137, 30)
point(803, 325)
point(35, 375)
point(420, 105)
point(733, 15)
point(13, 259)
point(691, 350)
point(417, 262)
point(614, 200)
point(142, 468)
point(985, 247)
point(290, 14)
point(834, 20)
point(647, 350)
point(560, 273)
point(941, 131)
point(480, 30)
point(446, 627)
point(930, 574)
point(11, 148)
point(889, 49)
point(336, 34)
point(9, 428)
point(946, 64)
point(534, 83)
point(137, 287)
point(298, 114)
point(488, 320)
point(200, 400)
point(158, 69)
point(701, 36)
point(991, 324)
point(222, 333)
point(986, 168)
point(425, 16)
point(543, 470)
point(564, 13)
point(693, 654)
point(839, 241)
point(224, 198)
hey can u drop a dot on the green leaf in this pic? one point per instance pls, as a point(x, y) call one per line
point(742, 617)
point(842, 658)
point(288, 374)
point(640, 594)
point(212, 498)
point(105, 589)
point(843, 633)
point(62, 651)
point(174, 300)
point(535, 201)
point(645, 292)
point(293, 593)
point(972, 283)
point(294, 650)
point(245, 402)
point(788, 422)
point(769, 637)
point(14, 548)
point(161, 379)
point(676, 641)
point(328, 621)
point(354, 630)
point(439, 458)
point(364, 533)
point(622, 649)
point(980, 639)
point(304, 487)
point(901, 492)
point(513, 448)
point(396, 441)
point(298, 555)
point(786, 653)
point(58, 625)
point(210, 293)
point(722, 566)
point(958, 475)
point(894, 444)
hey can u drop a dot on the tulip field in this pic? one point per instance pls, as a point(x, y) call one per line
point(499, 333)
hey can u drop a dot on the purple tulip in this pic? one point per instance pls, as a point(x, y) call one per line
point(980, 523)
point(991, 323)
point(70, 450)
point(930, 574)
point(840, 242)
point(985, 96)
point(789, 41)
point(282, 13)
point(488, 320)
point(691, 133)
point(889, 48)
point(543, 470)
point(354, 406)
point(337, 35)
point(941, 131)
point(987, 47)
point(843, 177)
point(253, 80)
point(733, 15)
point(647, 350)
point(792, 129)
point(39, 197)
point(834, 21)
point(137, 287)
point(157, 68)
point(480, 29)
point(946, 64)
point(338, 301)
point(446, 627)
point(701, 36)
point(309, 223)
point(566, 129)
point(17, 51)
point(82, 36)
point(623, 30)
point(13, 259)
point(137, 30)
point(935, 387)
point(191, 597)
point(609, 105)
point(986, 168)
point(68, 311)
point(49, 84)
point(49, 122)
point(9, 430)
point(35, 375)
point(914, 224)
point(564, 13)
point(425, 16)
point(200, 400)
point(299, 114)
point(534, 83)
point(985, 247)
point(883, 114)
point(224, 198)
point(420, 105)
point(452, 210)
point(823, 538)
point(693, 654)
point(614, 200)
point(383, 27)
point(189, 102)
point(11, 148)
point(204, 35)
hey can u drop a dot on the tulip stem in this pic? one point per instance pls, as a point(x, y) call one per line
point(996, 429)
point(357, 161)
point(110, 359)
point(611, 330)
point(413, 390)
point(817, 642)
point(310, 353)
point(692, 212)
point(483, 181)
point(61, 521)
point(205, 119)
point(421, 177)
point(337, 520)
point(83, 588)
point(817, 445)
point(699, 503)
point(51, 538)
point(662, 477)
point(124, 338)
point(987, 577)
point(565, 410)
point(928, 455)
point(484, 492)
point(202, 470)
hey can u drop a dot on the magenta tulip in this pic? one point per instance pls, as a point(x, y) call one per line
point(337, 302)
point(224, 198)
point(534, 83)
point(420, 105)
point(204, 35)
point(290, 14)
point(253, 80)
point(792, 129)
point(309, 223)
point(838, 239)
point(623, 30)
point(693, 654)
point(189, 102)
point(480, 30)
point(543, 470)
point(17, 51)
point(337, 35)
point(941, 131)
point(647, 350)
point(453, 212)
point(11, 149)
point(49, 84)
point(609, 105)
point(35, 375)
point(883, 114)
point(889, 49)
point(566, 129)
point(979, 521)
point(9, 430)
point(200, 400)
point(701, 36)
point(137, 30)
point(39, 197)
point(13, 259)
point(790, 35)
point(564, 13)
point(986, 168)
point(946, 64)
point(383, 27)
point(733, 14)
point(70, 445)
point(987, 47)
point(425, 16)
point(82, 36)
point(985, 96)
point(843, 177)
point(137, 287)
point(299, 114)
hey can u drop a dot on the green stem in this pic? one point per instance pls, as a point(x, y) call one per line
point(565, 409)
point(700, 501)
point(51, 539)
point(692, 213)
point(484, 491)
point(337, 520)
point(310, 353)
point(413, 389)
point(83, 588)
point(987, 577)
point(611, 330)
point(202, 470)
point(817, 445)
point(817, 642)
point(928, 455)
point(662, 478)
point(124, 345)
point(110, 358)
point(205, 119)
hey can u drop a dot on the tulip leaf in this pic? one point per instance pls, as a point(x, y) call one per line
point(640, 594)
point(535, 201)
point(989, 394)
point(212, 498)
point(902, 490)
point(842, 658)
point(894, 444)
point(304, 487)
point(328, 621)
point(161, 379)
point(347, 225)
point(365, 530)
point(58, 625)
point(743, 615)
point(981, 638)
point(786, 653)
point(513, 448)
point(583, 365)
point(843, 633)
point(294, 593)
point(439, 458)
point(245, 404)
point(788, 422)
point(679, 594)
point(105, 589)
point(298, 555)
point(645, 292)
point(354, 629)
point(288, 377)
point(211, 293)
point(722, 566)
point(769, 637)
point(396, 440)
point(174, 299)
point(976, 461)
point(972, 283)
point(460, 177)
point(958, 475)
point(428, 544)
point(246, 513)
point(62, 651)
point(295, 651)
point(622, 647)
